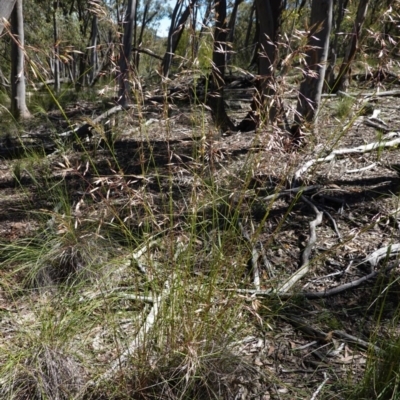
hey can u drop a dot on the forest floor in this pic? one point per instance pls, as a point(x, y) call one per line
point(164, 180)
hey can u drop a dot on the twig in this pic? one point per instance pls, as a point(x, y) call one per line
point(254, 259)
point(267, 264)
point(326, 212)
point(346, 286)
point(355, 340)
point(302, 326)
point(319, 388)
point(303, 189)
point(148, 52)
point(305, 265)
point(335, 227)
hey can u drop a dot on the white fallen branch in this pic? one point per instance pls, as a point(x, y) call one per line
point(305, 265)
point(140, 337)
point(387, 251)
point(353, 171)
point(148, 324)
point(355, 150)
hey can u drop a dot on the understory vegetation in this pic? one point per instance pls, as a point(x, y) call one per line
point(200, 240)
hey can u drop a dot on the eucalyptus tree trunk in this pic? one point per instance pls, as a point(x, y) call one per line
point(56, 71)
point(316, 58)
point(93, 49)
point(6, 7)
point(18, 102)
point(266, 105)
point(339, 10)
point(352, 48)
point(215, 99)
point(125, 55)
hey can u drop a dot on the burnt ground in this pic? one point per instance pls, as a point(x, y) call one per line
point(158, 154)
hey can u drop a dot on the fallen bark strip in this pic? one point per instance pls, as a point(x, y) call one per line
point(377, 125)
point(305, 265)
point(355, 150)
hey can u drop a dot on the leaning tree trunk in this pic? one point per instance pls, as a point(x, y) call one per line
point(215, 99)
point(266, 105)
point(125, 55)
point(352, 49)
point(18, 102)
point(316, 57)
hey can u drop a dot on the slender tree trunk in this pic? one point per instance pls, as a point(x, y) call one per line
point(352, 49)
point(18, 101)
point(56, 71)
point(93, 49)
point(204, 24)
point(266, 106)
point(175, 33)
point(231, 28)
point(316, 57)
point(138, 40)
point(333, 50)
point(125, 55)
point(215, 99)
point(249, 26)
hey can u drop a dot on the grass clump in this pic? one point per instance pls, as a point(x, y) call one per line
point(382, 375)
point(344, 106)
point(42, 373)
